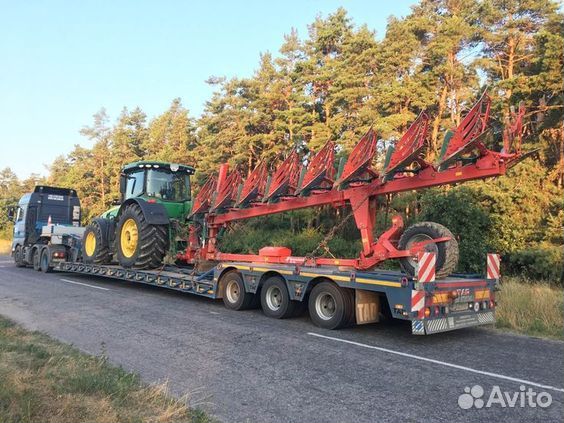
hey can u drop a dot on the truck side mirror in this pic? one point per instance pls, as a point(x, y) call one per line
point(11, 213)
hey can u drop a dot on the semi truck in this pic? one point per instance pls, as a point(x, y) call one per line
point(159, 234)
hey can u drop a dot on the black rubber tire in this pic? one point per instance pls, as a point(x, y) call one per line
point(276, 287)
point(102, 254)
point(152, 243)
point(44, 260)
point(241, 300)
point(18, 256)
point(35, 256)
point(343, 298)
point(447, 252)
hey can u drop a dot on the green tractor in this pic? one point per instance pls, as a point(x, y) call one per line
point(145, 225)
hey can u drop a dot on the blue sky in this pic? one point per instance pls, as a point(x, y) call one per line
point(60, 62)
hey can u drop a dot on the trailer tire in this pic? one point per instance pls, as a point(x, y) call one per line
point(95, 249)
point(19, 256)
point(447, 252)
point(35, 256)
point(275, 299)
point(140, 244)
point(233, 292)
point(45, 260)
point(330, 306)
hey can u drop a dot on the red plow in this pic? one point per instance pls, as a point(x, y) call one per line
point(298, 183)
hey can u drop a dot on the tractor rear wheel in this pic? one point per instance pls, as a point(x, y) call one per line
point(138, 243)
point(94, 249)
point(446, 252)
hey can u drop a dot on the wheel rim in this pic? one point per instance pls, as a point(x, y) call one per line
point(232, 292)
point(90, 244)
point(273, 298)
point(129, 237)
point(431, 248)
point(325, 306)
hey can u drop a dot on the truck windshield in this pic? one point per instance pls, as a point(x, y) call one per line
point(170, 186)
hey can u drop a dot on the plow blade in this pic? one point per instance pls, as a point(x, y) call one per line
point(320, 171)
point(254, 187)
point(357, 167)
point(468, 135)
point(227, 188)
point(410, 147)
point(203, 200)
point(285, 180)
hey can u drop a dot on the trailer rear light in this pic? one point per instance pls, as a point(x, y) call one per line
point(151, 200)
point(427, 311)
point(437, 310)
point(485, 305)
point(58, 254)
point(492, 303)
point(476, 306)
point(453, 294)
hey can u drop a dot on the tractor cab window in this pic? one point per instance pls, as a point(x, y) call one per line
point(19, 214)
point(168, 186)
point(134, 186)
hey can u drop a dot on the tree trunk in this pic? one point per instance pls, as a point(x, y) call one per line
point(437, 122)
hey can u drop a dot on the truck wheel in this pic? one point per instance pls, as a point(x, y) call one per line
point(330, 306)
point(19, 256)
point(447, 252)
point(275, 299)
point(44, 261)
point(35, 258)
point(233, 292)
point(140, 244)
point(94, 249)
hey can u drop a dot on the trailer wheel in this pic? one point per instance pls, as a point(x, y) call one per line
point(140, 244)
point(35, 257)
point(18, 256)
point(233, 292)
point(447, 252)
point(94, 249)
point(275, 299)
point(330, 306)
point(45, 260)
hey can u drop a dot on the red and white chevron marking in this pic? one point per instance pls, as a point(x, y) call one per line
point(417, 300)
point(426, 262)
point(493, 262)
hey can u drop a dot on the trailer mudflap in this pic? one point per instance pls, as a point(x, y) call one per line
point(459, 321)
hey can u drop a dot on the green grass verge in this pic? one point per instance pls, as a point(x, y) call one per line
point(530, 308)
point(45, 380)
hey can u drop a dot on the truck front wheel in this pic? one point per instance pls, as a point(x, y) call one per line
point(140, 244)
point(19, 256)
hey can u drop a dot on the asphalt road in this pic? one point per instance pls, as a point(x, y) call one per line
point(245, 367)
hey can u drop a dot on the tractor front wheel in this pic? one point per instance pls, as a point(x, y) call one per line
point(94, 249)
point(138, 243)
point(446, 252)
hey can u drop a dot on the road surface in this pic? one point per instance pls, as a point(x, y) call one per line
point(245, 367)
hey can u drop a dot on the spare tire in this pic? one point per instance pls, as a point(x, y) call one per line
point(447, 252)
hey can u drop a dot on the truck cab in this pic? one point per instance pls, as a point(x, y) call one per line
point(43, 207)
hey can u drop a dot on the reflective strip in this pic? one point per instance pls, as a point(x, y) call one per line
point(441, 298)
point(426, 266)
point(417, 300)
point(482, 294)
point(493, 262)
point(379, 282)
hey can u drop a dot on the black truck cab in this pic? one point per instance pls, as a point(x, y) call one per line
point(45, 205)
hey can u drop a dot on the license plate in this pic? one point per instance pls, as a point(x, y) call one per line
point(459, 307)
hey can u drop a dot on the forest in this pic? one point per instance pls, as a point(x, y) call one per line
point(337, 81)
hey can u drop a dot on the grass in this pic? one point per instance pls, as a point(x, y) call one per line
point(5, 246)
point(530, 308)
point(45, 380)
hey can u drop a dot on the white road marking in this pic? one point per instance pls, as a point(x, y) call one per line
point(85, 284)
point(442, 363)
point(214, 312)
